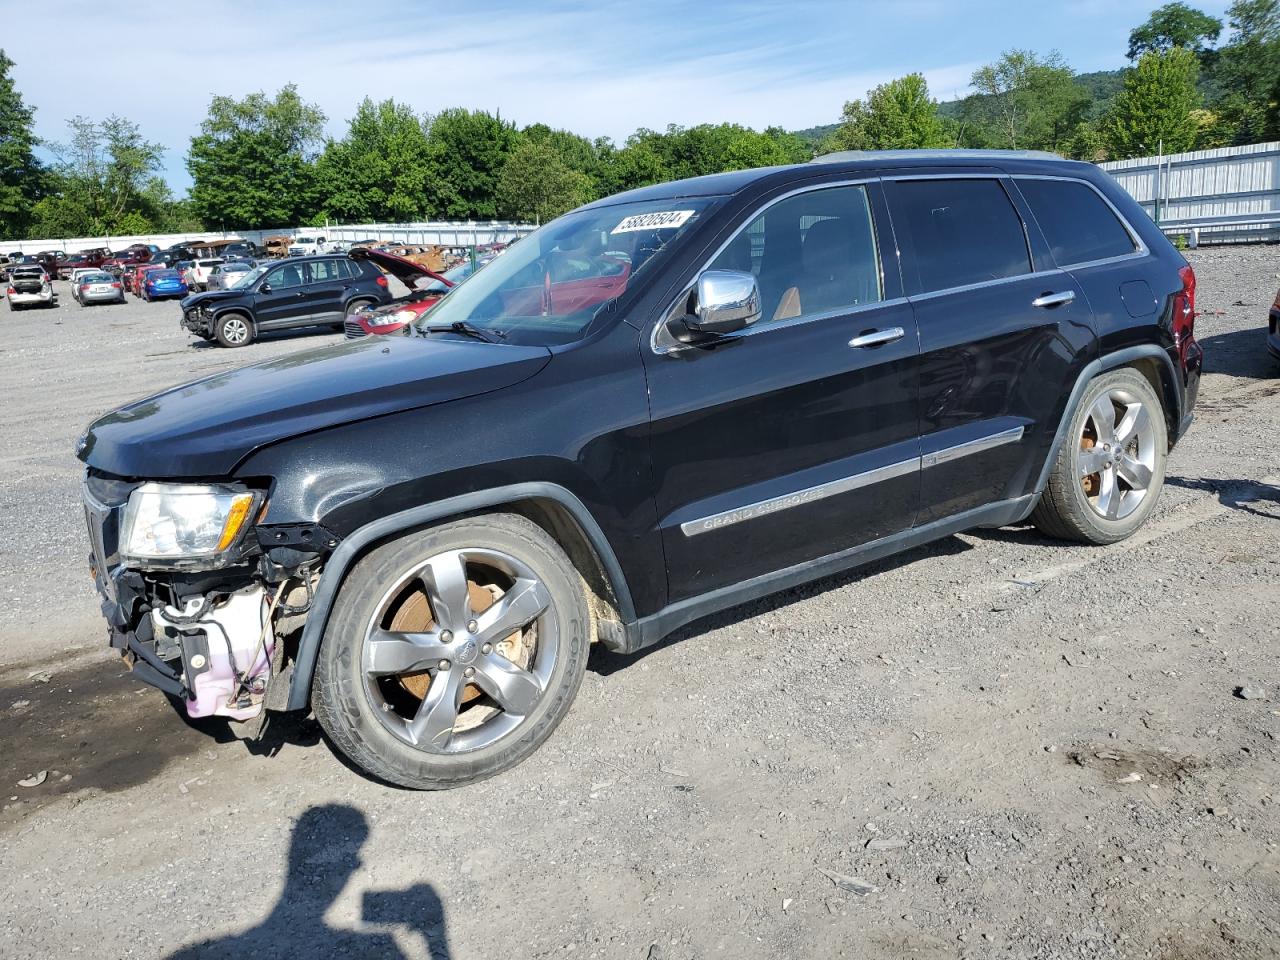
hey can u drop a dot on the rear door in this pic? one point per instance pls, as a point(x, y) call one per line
point(797, 438)
point(326, 287)
point(1003, 335)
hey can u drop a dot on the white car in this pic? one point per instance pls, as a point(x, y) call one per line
point(307, 246)
point(197, 275)
point(29, 286)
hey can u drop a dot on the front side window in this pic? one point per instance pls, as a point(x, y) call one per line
point(963, 231)
point(1078, 224)
point(285, 277)
point(812, 253)
point(548, 287)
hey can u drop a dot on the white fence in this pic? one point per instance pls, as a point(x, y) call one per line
point(1231, 194)
point(447, 233)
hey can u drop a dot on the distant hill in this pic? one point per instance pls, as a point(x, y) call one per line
point(816, 135)
point(1102, 85)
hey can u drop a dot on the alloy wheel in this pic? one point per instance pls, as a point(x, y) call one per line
point(460, 650)
point(1117, 454)
point(235, 330)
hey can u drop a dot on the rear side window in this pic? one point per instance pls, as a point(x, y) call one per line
point(812, 253)
point(325, 271)
point(963, 231)
point(350, 269)
point(1078, 224)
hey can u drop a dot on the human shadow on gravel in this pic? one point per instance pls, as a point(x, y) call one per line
point(1236, 494)
point(323, 856)
point(605, 662)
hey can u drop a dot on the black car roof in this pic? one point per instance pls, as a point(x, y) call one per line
point(851, 161)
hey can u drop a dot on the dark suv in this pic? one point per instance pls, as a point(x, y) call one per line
point(660, 405)
point(301, 292)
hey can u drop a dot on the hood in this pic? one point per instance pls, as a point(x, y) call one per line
point(203, 429)
point(196, 299)
point(406, 271)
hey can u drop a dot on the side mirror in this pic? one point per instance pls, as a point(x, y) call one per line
point(265, 288)
point(726, 301)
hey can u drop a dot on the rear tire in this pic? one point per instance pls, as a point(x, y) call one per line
point(1109, 472)
point(508, 672)
point(233, 330)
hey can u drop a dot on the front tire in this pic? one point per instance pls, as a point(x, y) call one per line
point(453, 652)
point(1108, 475)
point(233, 330)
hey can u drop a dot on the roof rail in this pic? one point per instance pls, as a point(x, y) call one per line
point(845, 156)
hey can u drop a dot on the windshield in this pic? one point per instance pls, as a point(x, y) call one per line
point(248, 278)
point(548, 287)
point(455, 275)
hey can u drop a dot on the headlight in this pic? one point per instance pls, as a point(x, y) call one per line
point(181, 522)
point(390, 319)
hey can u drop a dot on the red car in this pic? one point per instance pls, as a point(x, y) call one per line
point(426, 288)
point(133, 283)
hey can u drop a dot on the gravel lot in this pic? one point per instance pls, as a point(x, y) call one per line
point(997, 746)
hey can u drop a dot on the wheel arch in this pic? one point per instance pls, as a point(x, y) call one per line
point(561, 514)
point(358, 299)
point(1148, 359)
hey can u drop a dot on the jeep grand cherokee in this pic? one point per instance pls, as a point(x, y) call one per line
point(660, 405)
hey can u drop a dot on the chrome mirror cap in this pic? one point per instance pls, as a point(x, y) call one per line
point(727, 300)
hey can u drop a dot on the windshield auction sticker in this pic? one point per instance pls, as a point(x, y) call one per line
point(658, 220)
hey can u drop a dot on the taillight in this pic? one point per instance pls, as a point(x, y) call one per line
point(1184, 312)
point(12, 291)
point(1184, 304)
point(116, 286)
point(381, 281)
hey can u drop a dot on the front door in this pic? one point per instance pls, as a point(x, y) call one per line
point(797, 438)
point(1002, 331)
point(281, 297)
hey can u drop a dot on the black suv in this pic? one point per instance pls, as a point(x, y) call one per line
point(660, 405)
point(301, 292)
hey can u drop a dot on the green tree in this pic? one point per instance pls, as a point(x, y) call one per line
point(1024, 102)
point(536, 184)
point(380, 169)
point(466, 151)
point(1156, 108)
point(22, 177)
point(1246, 71)
point(1174, 25)
point(252, 164)
point(898, 115)
point(105, 181)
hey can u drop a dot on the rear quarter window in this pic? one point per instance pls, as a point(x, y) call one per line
point(1078, 224)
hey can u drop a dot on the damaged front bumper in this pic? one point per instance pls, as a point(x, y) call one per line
point(209, 638)
point(197, 321)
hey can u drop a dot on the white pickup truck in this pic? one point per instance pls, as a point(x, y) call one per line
point(306, 246)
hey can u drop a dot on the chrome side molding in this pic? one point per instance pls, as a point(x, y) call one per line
point(786, 501)
point(947, 454)
point(726, 518)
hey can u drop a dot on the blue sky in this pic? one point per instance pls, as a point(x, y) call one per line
point(597, 69)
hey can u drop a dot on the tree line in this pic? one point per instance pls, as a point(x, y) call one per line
point(264, 161)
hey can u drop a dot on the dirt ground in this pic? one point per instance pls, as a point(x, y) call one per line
point(997, 746)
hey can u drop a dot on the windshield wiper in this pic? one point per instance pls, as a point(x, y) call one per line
point(466, 329)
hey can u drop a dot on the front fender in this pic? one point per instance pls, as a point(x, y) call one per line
point(355, 544)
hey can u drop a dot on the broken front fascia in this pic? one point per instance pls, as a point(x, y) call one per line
point(208, 636)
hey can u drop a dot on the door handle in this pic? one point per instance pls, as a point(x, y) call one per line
point(878, 338)
point(1054, 299)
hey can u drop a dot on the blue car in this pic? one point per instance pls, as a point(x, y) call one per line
point(164, 283)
